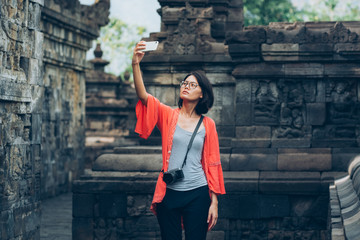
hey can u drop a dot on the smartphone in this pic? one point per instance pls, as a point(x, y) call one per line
point(151, 46)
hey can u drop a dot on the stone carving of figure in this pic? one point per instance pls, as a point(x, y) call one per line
point(266, 99)
point(342, 109)
point(295, 130)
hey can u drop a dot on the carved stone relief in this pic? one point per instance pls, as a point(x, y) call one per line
point(342, 106)
point(267, 106)
point(192, 32)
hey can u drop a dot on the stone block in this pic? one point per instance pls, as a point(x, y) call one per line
point(317, 49)
point(308, 70)
point(243, 206)
point(244, 49)
point(128, 162)
point(249, 36)
point(41, 2)
point(309, 206)
point(83, 205)
point(19, 224)
point(274, 206)
point(242, 181)
point(346, 48)
point(218, 29)
point(304, 159)
point(341, 70)
point(333, 143)
point(253, 160)
point(243, 91)
point(142, 224)
point(12, 91)
point(259, 70)
point(111, 205)
point(235, 13)
point(250, 143)
point(34, 16)
point(227, 115)
point(38, 46)
point(145, 183)
point(225, 160)
point(159, 78)
point(226, 132)
point(341, 158)
point(227, 96)
point(280, 52)
point(253, 132)
point(166, 95)
point(82, 228)
point(315, 113)
point(243, 114)
point(139, 205)
point(36, 124)
point(216, 235)
point(294, 143)
point(289, 182)
point(215, 114)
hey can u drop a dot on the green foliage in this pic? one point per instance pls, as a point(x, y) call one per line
point(262, 12)
point(117, 42)
point(333, 10)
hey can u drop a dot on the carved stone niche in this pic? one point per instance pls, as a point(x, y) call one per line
point(189, 31)
point(96, 14)
point(342, 106)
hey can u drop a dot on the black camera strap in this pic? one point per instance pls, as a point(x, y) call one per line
point(192, 139)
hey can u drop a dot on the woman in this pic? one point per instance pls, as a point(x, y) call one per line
point(191, 201)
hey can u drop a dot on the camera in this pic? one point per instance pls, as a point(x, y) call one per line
point(173, 175)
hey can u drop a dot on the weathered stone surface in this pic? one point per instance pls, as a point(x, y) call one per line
point(299, 182)
point(34, 140)
point(341, 158)
point(128, 162)
point(253, 160)
point(295, 87)
point(304, 159)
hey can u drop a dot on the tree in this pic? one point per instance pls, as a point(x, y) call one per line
point(262, 12)
point(332, 10)
point(118, 40)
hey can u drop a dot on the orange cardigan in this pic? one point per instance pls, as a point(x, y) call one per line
point(165, 118)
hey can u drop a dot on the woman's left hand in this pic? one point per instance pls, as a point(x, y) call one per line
point(213, 212)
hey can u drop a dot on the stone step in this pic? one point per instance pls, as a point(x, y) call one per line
point(138, 150)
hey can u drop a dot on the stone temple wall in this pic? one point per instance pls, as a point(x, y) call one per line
point(192, 37)
point(42, 97)
point(21, 90)
point(69, 29)
point(287, 113)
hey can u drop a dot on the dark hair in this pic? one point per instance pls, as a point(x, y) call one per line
point(206, 102)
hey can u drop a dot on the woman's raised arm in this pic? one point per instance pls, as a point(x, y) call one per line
point(138, 80)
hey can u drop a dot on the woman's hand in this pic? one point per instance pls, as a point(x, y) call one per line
point(138, 54)
point(213, 212)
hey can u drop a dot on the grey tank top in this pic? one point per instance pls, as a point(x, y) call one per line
point(194, 175)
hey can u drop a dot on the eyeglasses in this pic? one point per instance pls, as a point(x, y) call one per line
point(191, 85)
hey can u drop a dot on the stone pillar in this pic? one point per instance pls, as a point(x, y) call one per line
point(21, 95)
point(192, 38)
point(69, 29)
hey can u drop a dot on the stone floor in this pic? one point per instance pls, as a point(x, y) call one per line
point(56, 219)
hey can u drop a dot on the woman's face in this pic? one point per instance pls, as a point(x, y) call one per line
point(190, 89)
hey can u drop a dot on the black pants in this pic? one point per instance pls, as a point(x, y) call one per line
point(192, 206)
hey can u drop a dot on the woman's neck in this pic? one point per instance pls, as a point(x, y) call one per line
point(188, 110)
